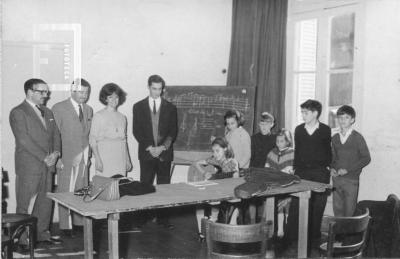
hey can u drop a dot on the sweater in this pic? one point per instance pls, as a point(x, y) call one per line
point(353, 155)
point(280, 159)
point(240, 142)
point(261, 145)
point(312, 151)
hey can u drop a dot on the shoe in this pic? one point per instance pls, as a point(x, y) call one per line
point(23, 249)
point(51, 241)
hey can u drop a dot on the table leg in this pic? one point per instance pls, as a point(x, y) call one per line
point(303, 223)
point(269, 210)
point(113, 244)
point(88, 237)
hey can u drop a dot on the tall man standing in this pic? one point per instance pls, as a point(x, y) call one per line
point(155, 129)
point(73, 117)
point(37, 148)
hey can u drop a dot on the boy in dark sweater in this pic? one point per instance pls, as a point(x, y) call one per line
point(263, 141)
point(312, 158)
point(350, 155)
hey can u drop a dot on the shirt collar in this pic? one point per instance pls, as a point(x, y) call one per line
point(348, 132)
point(74, 103)
point(158, 100)
point(31, 103)
point(316, 126)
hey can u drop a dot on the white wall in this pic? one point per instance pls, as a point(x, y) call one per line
point(381, 107)
point(185, 41)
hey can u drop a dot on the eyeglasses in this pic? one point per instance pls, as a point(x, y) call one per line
point(42, 92)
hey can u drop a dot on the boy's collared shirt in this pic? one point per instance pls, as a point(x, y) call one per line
point(311, 129)
point(343, 138)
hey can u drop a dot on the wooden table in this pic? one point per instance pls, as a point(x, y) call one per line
point(172, 195)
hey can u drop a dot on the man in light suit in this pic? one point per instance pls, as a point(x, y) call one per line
point(73, 117)
point(155, 128)
point(38, 147)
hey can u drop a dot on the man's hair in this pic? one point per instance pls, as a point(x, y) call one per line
point(236, 115)
point(31, 82)
point(267, 117)
point(346, 109)
point(156, 79)
point(80, 81)
point(223, 143)
point(109, 89)
point(312, 105)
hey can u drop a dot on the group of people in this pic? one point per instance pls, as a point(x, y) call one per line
point(64, 138)
point(317, 156)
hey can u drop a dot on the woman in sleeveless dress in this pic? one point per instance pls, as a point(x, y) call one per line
point(108, 134)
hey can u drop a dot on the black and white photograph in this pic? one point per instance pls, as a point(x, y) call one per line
point(200, 128)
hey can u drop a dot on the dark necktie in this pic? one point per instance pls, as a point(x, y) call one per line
point(154, 107)
point(80, 113)
point(41, 110)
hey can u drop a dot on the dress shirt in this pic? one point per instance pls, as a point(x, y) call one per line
point(311, 129)
point(151, 103)
point(76, 106)
point(37, 111)
point(344, 137)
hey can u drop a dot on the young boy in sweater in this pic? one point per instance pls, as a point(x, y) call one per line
point(263, 141)
point(312, 158)
point(350, 155)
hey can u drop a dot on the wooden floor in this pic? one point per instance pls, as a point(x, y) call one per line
point(152, 241)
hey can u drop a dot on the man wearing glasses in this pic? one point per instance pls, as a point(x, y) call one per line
point(73, 117)
point(37, 148)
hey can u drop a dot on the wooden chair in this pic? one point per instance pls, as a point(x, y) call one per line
point(14, 224)
point(231, 235)
point(352, 232)
point(6, 247)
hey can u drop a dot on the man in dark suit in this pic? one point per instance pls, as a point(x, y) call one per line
point(38, 147)
point(155, 129)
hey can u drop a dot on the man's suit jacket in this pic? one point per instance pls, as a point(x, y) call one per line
point(143, 129)
point(74, 134)
point(33, 142)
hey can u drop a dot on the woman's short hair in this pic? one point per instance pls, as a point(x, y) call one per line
point(222, 142)
point(237, 115)
point(287, 135)
point(109, 89)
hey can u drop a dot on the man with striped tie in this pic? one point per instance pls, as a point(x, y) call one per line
point(37, 148)
point(73, 117)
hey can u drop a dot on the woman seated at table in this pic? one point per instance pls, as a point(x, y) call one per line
point(222, 165)
point(108, 134)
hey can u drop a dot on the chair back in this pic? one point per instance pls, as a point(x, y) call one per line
point(353, 231)
point(235, 234)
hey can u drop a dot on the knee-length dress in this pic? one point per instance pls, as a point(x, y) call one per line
point(108, 132)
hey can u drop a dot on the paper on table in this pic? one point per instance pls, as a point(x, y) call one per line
point(202, 183)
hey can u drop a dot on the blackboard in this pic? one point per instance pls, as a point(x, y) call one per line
point(201, 111)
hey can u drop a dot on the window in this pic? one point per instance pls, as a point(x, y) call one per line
point(306, 61)
point(320, 64)
point(340, 64)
